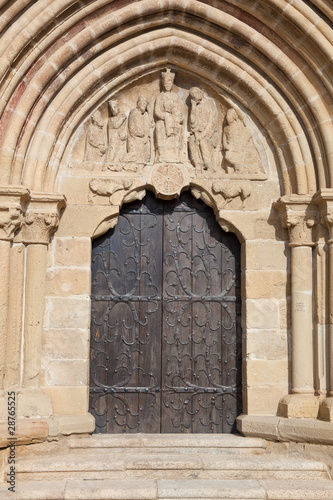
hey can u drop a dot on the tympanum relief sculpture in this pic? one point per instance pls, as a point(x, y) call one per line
point(171, 137)
point(96, 140)
point(239, 151)
point(203, 140)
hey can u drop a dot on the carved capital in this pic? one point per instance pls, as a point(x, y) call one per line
point(10, 221)
point(299, 216)
point(300, 229)
point(324, 199)
point(39, 227)
point(12, 205)
point(42, 218)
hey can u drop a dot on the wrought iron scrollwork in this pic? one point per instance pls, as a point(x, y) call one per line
point(165, 342)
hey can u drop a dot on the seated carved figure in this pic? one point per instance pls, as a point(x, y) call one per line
point(168, 115)
point(117, 134)
point(138, 133)
point(203, 129)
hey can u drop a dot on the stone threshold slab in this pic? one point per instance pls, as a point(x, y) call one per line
point(75, 461)
point(167, 441)
point(173, 490)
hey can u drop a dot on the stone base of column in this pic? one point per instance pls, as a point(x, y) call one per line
point(27, 431)
point(66, 425)
point(37, 430)
point(297, 430)
point(28, 402)
point(326, 409)
point(299, 406)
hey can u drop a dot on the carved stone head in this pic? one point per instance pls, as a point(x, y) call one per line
point(167, 79)
point(196, 94)
point(232, 115)
point(114, 107)
point(142, 103)
point(97, 119)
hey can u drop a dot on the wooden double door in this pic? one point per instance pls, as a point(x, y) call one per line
point(165, 326)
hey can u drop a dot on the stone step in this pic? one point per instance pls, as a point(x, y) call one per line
point(168, 442)
point(101, 464)
point(143, 489)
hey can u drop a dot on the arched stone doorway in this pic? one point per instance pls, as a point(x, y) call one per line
point(165, 327)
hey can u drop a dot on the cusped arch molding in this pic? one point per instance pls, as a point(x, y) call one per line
point(128, 190)
point(273, 59)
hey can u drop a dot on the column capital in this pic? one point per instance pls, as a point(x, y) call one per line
point(299, 214)
point(42, 218)
point(324, 199)
point(13, 200)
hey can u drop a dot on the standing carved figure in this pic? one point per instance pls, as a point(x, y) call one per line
point(168, 114)
point(117, 134)
point(95, 138)
point(203, 140)
point(138, 132)
point(240, 154)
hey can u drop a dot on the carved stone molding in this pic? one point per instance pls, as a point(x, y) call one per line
point(299, 215)
point(42, 218)
point(12, 205)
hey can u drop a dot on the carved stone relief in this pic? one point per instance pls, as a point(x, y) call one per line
point(230, 192)
point(117, 135)
point(106, 187)
point(240, 154)
point(168, 180)
point(170, 135)
point(96, 139)
point(204, 139)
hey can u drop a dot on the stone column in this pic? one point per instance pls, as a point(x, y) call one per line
point(324, 198)
point(12, 201)
point(299, 216)
point(40, 222)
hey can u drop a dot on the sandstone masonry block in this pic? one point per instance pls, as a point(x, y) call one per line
point(67, 313)
point(266, 254)
point(285, 313)
point(263, 401)
point(262, 314)
point(68, 400)
point(66, 344)
point(66, 281)
point(270, 345)
point(265, 284)
point(67, 373)
point(267, 373)
point(72, 251)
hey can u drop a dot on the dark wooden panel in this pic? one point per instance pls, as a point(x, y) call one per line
point(165, 331)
